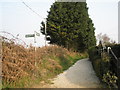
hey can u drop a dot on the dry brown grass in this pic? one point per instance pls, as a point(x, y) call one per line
point(19, 63)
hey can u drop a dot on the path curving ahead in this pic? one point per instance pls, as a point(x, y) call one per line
point(80, 75)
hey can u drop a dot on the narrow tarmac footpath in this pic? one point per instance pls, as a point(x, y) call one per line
point(80, 75)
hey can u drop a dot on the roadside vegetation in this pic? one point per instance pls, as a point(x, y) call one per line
point(23, 67)
point(103, 65)
point(104, 62)
point(72, 31)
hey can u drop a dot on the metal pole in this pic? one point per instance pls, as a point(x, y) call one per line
point(45, 30)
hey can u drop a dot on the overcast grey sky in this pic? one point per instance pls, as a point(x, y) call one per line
point(16, 18)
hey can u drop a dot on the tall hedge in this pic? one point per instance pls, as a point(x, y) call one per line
point(104, 66)
point(69, 25)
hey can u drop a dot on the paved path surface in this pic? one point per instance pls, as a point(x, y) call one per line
point(80, 75)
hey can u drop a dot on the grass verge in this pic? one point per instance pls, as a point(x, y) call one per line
point(24, 67)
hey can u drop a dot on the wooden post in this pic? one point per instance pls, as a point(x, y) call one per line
point(35, 47)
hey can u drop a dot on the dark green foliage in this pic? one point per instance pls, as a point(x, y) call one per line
point(69, 25)
point(115, 48)
point(103, 66)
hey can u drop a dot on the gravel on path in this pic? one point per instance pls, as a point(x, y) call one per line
point(80, 75)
